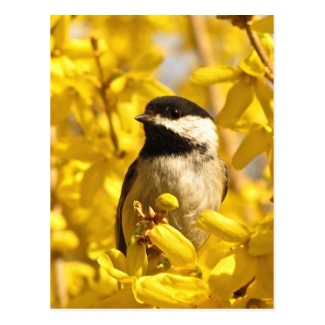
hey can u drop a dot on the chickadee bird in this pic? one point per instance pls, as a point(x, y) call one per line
point(179, 157)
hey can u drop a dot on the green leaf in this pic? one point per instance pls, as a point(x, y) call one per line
point(215, 74)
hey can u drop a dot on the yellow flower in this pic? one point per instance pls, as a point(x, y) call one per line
point(122, 268)
point(177, 287)
point(170, 290)
point(179, 250)
point(249, 103)
point(139, 78)
point(251, 257)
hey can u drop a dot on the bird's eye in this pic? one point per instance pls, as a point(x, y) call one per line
point(175, 113)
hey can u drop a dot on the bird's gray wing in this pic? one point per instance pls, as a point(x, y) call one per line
point(127, 184)
point(225, 181)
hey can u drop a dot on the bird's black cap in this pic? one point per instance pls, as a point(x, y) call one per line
point(165, 106)
point(162, 140)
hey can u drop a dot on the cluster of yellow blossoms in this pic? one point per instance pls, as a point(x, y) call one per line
point(234, 268)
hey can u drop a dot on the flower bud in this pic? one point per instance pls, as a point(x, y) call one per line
point(166, 202)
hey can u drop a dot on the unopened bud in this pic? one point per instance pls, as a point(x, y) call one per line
point(166, 202)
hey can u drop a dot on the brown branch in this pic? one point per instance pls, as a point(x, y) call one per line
point(256, 43)
point(103, 87)
point(62, 292)
point(244, 22)
point(229, 138)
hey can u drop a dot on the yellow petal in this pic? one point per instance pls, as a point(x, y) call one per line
point(60, 106)
point(252, 64)
point(75, 274)
point(118, 275)
point(271, 162)
point(91, 182)
point(136, 260)
point(54, 19)
point(61, 29)
point(253, 115)
point(127, 109)
point(261, 241)
point(254, 143)
point(166, 202)
point(215, 74)
point(264, 277)
point(232, 272)
point(122, 299)
point(118, 84)
point(83, 112)
point(178, 249)
point(239, 97)
point(226, 229)
point(85, 300)
point(64, 240)
point(210, 258)
point(265, 95)
point(82, 49)
point(150, 88)
point(52, 44)
point(58, 81)
point(99, 242)
point(70, 148)
point(248, 301)
point(118, 259)
point(170, 291)
point(146, 64)
point(58, 222)
point(264, 25)
point(210, 303)
point(104, 284)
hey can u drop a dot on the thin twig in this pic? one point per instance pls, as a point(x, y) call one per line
point(229, 138)
point(256, 43)
point(103, 88)
point(62, 292)
point(244, 22)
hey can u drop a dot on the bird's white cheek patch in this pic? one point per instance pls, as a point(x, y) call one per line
point(197, 129)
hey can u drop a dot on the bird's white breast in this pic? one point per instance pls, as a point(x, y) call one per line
point(195, 180)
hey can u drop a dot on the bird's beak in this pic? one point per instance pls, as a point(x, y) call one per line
point(145, 118)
